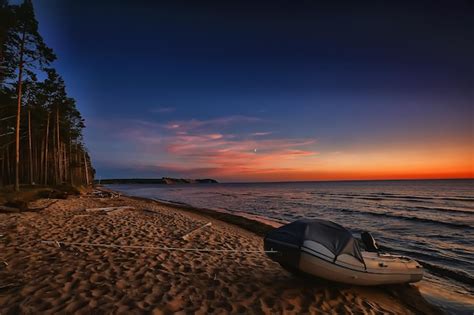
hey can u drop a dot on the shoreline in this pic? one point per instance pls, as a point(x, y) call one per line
point(443, 300)
point(256, 226)
point(44, 278)
point(412, 295)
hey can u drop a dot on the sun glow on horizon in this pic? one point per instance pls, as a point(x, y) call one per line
point(202, 149)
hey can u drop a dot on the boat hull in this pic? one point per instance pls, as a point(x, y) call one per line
point(330, 271)
point(315, 260)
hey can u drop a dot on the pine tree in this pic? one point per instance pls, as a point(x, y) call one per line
point(25, 51)
point(48, 148)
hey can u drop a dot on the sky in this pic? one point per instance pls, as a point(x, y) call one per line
point(269, 90)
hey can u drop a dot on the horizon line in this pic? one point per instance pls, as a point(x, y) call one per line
point(297, 181)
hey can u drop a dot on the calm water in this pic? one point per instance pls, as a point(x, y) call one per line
point(431, 221)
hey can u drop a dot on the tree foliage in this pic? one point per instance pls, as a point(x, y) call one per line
point(50, 148)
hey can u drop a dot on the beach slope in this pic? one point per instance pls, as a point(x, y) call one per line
point(48, 278)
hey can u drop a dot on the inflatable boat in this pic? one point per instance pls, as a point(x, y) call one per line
point(327, 250)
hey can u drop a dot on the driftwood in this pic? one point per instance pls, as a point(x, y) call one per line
point(186, 236)
point(109, 209)
point(5, 209)
point(149, 211)
point(104, 194)
point(9, 285)
point(114, 195)
point(42, 208)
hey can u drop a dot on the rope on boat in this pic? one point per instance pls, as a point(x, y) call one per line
point(205, 250)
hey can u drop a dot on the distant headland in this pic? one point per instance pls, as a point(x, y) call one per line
point(163, 180)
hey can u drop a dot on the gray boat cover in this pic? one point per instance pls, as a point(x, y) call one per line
point(333, 236)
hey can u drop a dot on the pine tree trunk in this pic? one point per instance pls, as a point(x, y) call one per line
point(36, 159)
point(58, 149)
point(79, 171)
point(46, 152)
point(79, 174)
point(18, 112)
point(8, 165)
point(30, 147)
point(86, 168)
point(64, 161)
point(53, 153)
point(2, 172)
point(41, 166)
point(70, 163)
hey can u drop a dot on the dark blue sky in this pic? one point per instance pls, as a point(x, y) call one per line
point(357, 80)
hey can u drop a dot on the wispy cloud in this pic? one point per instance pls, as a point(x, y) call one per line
point(195, 146)
point(197, 124)
point(260, 134)
point(224, 148)
point(226, 154)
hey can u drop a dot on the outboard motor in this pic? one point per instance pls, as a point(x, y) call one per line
point(369, 242)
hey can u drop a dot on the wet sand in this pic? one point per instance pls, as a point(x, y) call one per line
point(43, 278)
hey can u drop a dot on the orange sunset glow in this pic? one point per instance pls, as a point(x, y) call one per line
point(204, 149)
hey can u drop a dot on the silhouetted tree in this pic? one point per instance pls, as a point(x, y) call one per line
point(50, 141)
point(25, 51)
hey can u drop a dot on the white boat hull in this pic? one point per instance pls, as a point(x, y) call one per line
point(395, 272)
point(377, 268)
point(327, 250)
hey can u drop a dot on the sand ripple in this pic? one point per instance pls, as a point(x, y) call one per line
point(84, 280)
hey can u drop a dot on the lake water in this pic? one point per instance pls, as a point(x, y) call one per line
point(431, 221)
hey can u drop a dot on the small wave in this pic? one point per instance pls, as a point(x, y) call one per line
point(172, 202)
point(429, 209)
point(411, 197)
point(457, 275)
point(372, 198)
point(387, 196)
point(458, 199)
point(270, 197)
point(455, 198)
point(381, 198)
point(447, 210)
point(417, 219)
point(444, 272)
point(226, 195)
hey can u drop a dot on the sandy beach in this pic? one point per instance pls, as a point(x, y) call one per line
point(37, 277)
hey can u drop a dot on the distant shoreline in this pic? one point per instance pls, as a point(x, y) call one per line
point(161, 181)
point(200, 181)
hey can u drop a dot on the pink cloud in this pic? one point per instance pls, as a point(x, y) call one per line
point(258, 134)
point(194, 147)
point(215, 136)
point(239, 155)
